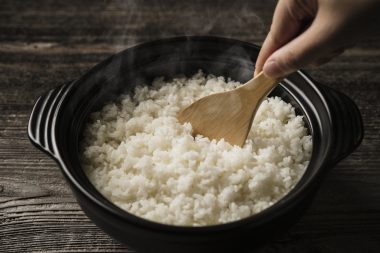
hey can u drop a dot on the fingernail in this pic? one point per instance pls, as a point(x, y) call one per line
point(272, 69)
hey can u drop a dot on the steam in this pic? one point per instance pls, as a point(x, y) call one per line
point(139, 21)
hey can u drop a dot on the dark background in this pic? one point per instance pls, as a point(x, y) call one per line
point(45, 43)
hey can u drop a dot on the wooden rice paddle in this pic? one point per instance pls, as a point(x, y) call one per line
point(229, 114)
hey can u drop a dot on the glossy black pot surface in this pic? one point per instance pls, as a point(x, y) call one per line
point(58, 117)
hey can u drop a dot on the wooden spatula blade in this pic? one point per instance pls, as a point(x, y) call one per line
point(228, 115)
point(231, 123)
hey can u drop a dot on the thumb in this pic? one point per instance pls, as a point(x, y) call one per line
point(302, 51)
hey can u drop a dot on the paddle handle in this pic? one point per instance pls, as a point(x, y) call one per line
point(259, 86)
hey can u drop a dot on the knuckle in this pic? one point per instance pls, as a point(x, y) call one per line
point(275, 37)
point(301, 9)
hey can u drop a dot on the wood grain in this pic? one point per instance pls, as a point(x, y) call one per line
point(44, 43)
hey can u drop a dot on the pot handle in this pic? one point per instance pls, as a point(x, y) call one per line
point(41, 126)
point(347, 124)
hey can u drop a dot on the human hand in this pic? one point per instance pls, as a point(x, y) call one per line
point(307, 33)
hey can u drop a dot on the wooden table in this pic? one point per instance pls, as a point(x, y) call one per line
point(45, 43)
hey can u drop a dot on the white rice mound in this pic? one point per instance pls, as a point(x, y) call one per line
point(142, 159)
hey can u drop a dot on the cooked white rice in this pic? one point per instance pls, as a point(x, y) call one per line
point(141, 158)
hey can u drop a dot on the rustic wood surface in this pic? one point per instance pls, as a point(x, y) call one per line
point(44, 43)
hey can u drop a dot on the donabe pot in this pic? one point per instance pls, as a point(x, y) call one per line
point(58, 118)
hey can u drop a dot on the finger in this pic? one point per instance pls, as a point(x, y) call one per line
point(302, 51)
point(288, 20)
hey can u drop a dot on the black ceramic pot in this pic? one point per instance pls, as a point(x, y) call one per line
point(58, 117)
